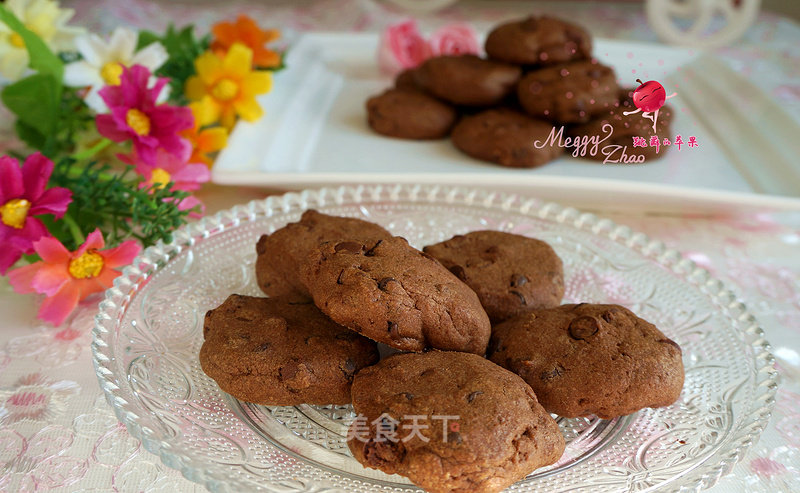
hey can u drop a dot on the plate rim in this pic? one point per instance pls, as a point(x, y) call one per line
point(114, 304)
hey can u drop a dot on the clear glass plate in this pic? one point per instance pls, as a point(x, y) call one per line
point(149, 331)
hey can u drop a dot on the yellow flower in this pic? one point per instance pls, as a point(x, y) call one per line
point(46, 20)
point(204, 140)
point(227, 86)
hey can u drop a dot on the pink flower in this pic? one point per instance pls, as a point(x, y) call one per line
point(454, 39)
point(136, 116)
point(68, 277)
point(169, 168)
point(23, 196)
point(402, 47)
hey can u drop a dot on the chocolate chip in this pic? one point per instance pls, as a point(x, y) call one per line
point(459, 272)
point(546, 376)
point(671, 343)
point(427, 372)
point(348, 369)
point(408, 395)
point(518, 280)
point(371, 251)
point(296, 375)
point(454, 437)
point(519, 295)
point(583, 327)
point(339, 279)
point(262, 347)
point(351, 247)
point(246, 316)
point(471, 397)
point(609, 315)
point(391, 327)
point(383, 282)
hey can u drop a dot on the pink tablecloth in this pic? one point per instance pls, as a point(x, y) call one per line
point(57, 433)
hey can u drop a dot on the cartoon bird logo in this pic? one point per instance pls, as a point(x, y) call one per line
point(648, 98)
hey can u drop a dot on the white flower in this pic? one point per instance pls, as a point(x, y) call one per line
point(103, 61)
point(46, 20)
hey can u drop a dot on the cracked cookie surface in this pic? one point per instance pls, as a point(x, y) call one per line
point(277, 352)
point(395, 294)
point(280, 253)
point(496, 434)
point(510, 273)
point(590, 359)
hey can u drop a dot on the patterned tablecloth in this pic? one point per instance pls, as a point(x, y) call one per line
point(57, 432)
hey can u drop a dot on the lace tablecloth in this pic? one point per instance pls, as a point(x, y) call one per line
point(57, 432)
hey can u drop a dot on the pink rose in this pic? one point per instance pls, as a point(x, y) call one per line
point(402, 47)
point(454, 39)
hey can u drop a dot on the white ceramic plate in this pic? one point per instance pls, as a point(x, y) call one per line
point(315, 133)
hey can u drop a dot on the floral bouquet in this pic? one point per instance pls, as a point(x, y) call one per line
point(115, 136)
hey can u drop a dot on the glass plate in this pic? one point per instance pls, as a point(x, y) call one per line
point(149, 331)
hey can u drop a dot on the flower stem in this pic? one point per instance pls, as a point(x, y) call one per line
point(87, 153)
point(74, 230)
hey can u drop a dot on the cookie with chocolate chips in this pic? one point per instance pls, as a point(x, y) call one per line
point(623, 128)
point(590, 359)
point(510, 273)
point(467, 80)
point(393, 293)
point(407, 80)
point(280, 253)
point(276, 352)
point(410, 114)
point(506, 137)
point(496, 432)
point(538, 41)
point(569, 93)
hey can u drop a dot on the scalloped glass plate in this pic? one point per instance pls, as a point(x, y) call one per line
point(149, 331)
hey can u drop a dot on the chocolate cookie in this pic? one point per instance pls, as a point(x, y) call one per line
point(395, 294)
point(538, 40)
point(406, 80)
point(409, 114)
point(467, 80)
point(275, 352)
point(590, 359)
point(569, 93)
point(510, 273)
point(623, 128)
point(280, 252)
point(496, 432)
point(505, 137)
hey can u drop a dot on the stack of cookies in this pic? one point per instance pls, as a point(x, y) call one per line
point(539, 75)
point(479, 337)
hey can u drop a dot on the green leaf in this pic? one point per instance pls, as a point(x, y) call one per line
point(146, 38)
point(183, 48)
point(30, 135)
point(42, 59)
point(35, 100)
